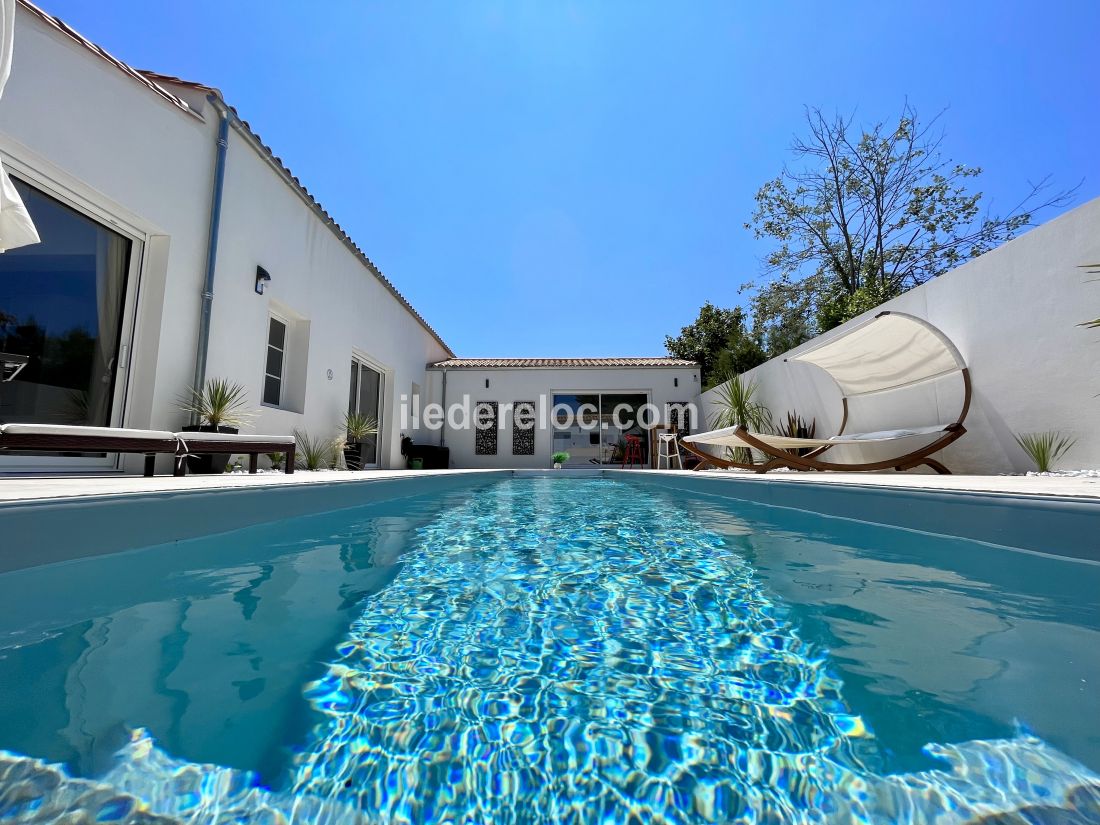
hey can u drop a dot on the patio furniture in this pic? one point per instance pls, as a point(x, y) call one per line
point(198, 443)
point(892, 351)
point(434, 458)
point(79, 439)
point(668, 448)
point(633, 453)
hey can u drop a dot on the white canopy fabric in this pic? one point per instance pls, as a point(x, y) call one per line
point(727, 437)
point(890, 351)
point(16, 226)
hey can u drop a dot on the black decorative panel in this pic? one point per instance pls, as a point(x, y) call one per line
point(485, 427)
point(675, 408)
point(523, 428)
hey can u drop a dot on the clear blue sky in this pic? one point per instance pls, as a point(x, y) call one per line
point(571, 178)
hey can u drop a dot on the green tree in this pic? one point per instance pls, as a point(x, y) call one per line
point(741, 353)
point(704, 340)
point(869, 213)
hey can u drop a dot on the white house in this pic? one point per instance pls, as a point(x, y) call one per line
point(551, 392)
point(119, 171)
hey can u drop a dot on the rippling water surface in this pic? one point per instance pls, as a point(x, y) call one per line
point(567, 650)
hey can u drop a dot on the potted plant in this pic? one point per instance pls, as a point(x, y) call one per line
point(559, 459)
point(358, 428)
point(220, 407)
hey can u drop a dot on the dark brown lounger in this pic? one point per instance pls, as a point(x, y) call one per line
point(250, 445)
point(78, 439)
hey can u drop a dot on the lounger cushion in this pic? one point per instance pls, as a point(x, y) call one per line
point(728, 437)
point(231, 438)
point(890, 435)
point(73, 431)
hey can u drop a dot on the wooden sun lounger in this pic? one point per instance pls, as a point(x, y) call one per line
point(250, 445)
point(79, 439)
point(890, 352)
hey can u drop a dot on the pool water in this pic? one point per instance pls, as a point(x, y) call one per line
point(555, 650)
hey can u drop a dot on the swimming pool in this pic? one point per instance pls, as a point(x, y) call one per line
point(554, 650)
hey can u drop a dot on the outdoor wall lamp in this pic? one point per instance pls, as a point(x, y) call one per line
point(486, 383)
point(675, 382)
point(262, 279)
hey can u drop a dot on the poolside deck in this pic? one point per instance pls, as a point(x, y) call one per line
point(62, 487)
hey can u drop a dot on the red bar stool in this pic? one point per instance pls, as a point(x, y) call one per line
point(633, 452)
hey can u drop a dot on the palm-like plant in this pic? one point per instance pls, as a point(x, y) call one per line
point(359, 427)
point(315, 453)
point(738, 407)
point(1092, 269)
point(220, 403)
point(1044, 448)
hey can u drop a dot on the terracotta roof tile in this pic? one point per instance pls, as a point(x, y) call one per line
point(561, 363)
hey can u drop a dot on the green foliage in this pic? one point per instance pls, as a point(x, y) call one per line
point(1044, 449)
point(737, 406)
point(221, 403)
point(315, 453)
point(794, 426)
point(559, 458)
point(705, 338)
point(277, 460)
point(359, 427)
point(741, 353)
point(1092, 269)
point(868, 213)
point(842, 306)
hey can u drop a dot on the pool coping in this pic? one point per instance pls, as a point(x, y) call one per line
point(22, 489)
point(40, 524)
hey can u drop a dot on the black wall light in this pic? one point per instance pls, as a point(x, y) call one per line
point(486, 383)
point(675, 382)
point(262, 279)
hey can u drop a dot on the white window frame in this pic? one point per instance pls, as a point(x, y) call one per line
point(364, 360)
point(98, 210)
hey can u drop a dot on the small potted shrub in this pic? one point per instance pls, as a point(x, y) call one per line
point(559, 459)
point(220, 407)
point(278, 460)
point(358, 428)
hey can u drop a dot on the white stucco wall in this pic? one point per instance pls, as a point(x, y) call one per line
point(77, 127)
point(507, 386)
point(1013, 313)
point(316, 278)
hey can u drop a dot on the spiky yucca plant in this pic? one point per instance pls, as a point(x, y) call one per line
point(737, 406)
point(796, 427)
point(220, 403)
point(315, 453)
point(1044, 448)
point(359, 427)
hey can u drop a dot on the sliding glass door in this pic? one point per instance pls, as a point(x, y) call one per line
point(593, 427)
point(62, 326)
point(367, 388)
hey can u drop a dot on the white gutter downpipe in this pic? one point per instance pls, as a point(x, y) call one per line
point(212, 241)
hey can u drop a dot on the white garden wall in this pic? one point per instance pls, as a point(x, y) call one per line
point(1014, 314)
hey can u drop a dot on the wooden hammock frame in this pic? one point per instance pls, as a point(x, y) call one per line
point(789, 457)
